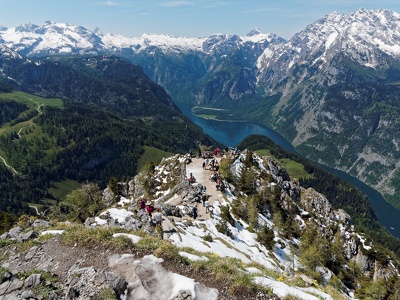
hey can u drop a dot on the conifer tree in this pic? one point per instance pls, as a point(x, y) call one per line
point(82, 203)
point(113, 185)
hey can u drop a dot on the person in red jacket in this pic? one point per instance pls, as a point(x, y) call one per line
point(149, 208)
point(142, 205)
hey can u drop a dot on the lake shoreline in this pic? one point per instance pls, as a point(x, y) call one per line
point(231, 133)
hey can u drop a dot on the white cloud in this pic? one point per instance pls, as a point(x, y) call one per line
point(114, 4)
point(199, 3)
point(109, 3)
point(176, 3)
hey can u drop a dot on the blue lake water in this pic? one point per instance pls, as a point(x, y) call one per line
point(232, 133)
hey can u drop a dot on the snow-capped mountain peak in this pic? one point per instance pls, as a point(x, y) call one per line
point(363, 36)
point(255, 31)
point(27, 27)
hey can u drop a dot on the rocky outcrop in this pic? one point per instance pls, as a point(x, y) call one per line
point(85, 283)
point(277, 171)
point(108, 197)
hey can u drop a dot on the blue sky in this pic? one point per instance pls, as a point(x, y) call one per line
point(182, 17)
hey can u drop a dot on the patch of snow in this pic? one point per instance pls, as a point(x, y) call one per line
point(116, 213)
point(52, 232)
point(363, 240)
point(124, 200)
point(253, 270)
point(281, 289)
point(132, 237)
point(165, 284)
point(246, 250)
point(331, 38)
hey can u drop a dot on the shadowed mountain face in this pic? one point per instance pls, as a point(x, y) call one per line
point(107, 82)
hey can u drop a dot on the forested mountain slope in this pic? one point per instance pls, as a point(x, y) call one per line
point(106, 110)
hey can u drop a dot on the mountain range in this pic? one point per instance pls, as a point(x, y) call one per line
point(331, 90)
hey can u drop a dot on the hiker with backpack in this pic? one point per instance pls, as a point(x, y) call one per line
point(194, 212)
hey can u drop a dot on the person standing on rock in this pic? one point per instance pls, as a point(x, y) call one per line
point(207, 204)
point(194, 212)
point(149, 208)
point(204, 199)
point(203, 189)
point(158, 217)
point(142, 205)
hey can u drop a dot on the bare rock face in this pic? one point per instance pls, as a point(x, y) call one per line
point(108, 197)
point(123, 188)
point(351, 248)
point(317, 203)
point(131, 187)
point(343, 217)
point(139, 190)
point(85, 283)
point(276, 170)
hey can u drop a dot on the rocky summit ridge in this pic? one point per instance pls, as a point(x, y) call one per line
point(252, 243)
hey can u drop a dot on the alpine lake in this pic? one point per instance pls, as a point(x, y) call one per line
point(232, 133)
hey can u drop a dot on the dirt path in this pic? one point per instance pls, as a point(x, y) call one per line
point(20, 130)
point(8, 166)
point(203, 177)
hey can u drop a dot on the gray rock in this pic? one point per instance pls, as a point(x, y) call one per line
point(276, 170)
point(139, 190)
point(85, 283)
point(41, 223)
point(27, 236)
point(183, 295)
point(123, 188)
point(28, 295)
point(108, 197)
point(4, 236)
point(33, 279)
point(31, 253)
point(90, 222)
point(11, 296)
point(15, 232)
point(131, 185)
point(10, 286)
point(72, 293)
point(118, 284)
point(6, 276)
